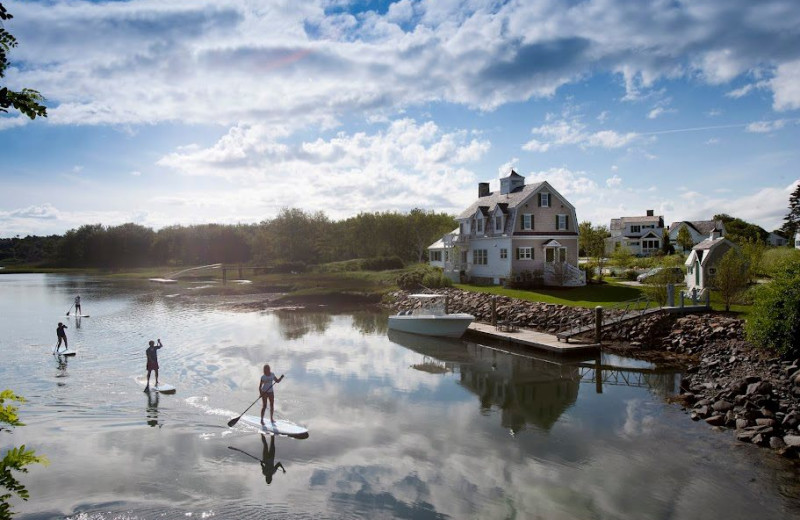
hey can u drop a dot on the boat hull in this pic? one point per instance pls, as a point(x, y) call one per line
point(446, 326)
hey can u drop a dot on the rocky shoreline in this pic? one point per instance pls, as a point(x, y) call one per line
point(727, 382)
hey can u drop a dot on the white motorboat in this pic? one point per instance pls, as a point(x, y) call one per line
point(431, 318)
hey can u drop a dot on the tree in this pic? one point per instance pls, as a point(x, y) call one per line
point(774, 321)
point(737, 230)
point(15, 459)
point(731, 277)
point(753, 251)
point(791, 222)
point(26, 100)
point(593, 242)
point(684, 239)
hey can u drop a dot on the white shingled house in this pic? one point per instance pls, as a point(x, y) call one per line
point(519, 228)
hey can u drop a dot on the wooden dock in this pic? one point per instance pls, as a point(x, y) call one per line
point(530, 338)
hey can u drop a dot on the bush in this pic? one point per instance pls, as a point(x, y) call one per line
point(774, 320)
point(526, 280)
point(436, 281)
point(777, 257)
point(382, 263)
point(290, 267)
point(425, 276)
point(630, 275)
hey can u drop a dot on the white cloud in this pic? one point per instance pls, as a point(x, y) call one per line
point(403, 166)
point(573, 132)
point(614, 181)
point(786, 86)
point(763, 127)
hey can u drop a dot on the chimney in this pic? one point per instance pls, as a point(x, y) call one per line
point(483, 189)
point(649, 212)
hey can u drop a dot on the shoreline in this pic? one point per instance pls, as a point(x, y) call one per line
point(729, 383)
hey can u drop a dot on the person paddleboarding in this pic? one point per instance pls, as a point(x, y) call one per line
point(78, 305)
point(61, 335)
point(152, 361)
point(267, 391)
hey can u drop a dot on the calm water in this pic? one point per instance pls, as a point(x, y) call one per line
point(400, 426)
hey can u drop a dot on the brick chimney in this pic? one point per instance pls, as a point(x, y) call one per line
point(649, 212)
point(483, 189)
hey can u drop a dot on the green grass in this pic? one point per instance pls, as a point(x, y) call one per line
point(607, 295)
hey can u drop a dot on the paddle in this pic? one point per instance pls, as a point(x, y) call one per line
point(242, 451)
point(236, 419)
point(70, 309)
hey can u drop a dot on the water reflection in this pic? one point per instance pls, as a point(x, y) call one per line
point(152, 409)
point(268, 465)
point(77, 322)
point(294, 324)
point(530, 389)
point(61, 368)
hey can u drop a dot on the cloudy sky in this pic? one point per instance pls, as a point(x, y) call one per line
point(193, 111)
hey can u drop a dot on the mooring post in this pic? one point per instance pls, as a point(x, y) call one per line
point(494, 311)
point(708, 298)
point(670, 295)
point(240, 272)
point(598, 376)
point(447, 304)
point(224, 275)
point(598, 324)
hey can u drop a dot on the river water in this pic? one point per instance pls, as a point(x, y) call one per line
point(400, 426)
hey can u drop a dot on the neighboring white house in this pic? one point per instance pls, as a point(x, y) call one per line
point(701, 264)
point(698, 229)
point(516, 229)
point(776, 240)
point(641, 235)
point(797, 240)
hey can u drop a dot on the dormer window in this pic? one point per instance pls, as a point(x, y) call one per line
point(479, 225)
point(498, 223)
point(636, 229)
point(544, 200)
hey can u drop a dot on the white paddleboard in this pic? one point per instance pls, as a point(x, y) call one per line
point(279, 427)
point(162, 388)
point(67, 352)
point(78, 315)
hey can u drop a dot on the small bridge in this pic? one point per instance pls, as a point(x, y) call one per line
point(620, 313)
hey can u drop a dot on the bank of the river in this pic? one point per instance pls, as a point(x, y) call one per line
point(728, 383)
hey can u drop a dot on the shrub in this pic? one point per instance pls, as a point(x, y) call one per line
point(436, 281)
point(526, 280)
point(290, 267)
point(777, 257)
point(630, 275)
point(774, 320)
point(382, 263)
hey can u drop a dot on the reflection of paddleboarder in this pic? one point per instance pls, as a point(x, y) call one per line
point(268, 466)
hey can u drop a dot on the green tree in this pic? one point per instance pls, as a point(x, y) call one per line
point(684, 239)
point(15, 459)
point(737, 230)
point(753, 251)
point(774, 321)
point(26, 100)
point(591, 240)
point(791, 222)
point(731, 277)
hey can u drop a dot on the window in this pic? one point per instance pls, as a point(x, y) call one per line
point(636, 229)
point(524, 253)
point(436, 256)
point(544, 200)
point(498, 223)
point(503, 254)
point(650, 244)
point(552, 254)
point(479, 257)
point(527, 221)
point(561, 222)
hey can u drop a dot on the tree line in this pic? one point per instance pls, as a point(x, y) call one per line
point(294, 236)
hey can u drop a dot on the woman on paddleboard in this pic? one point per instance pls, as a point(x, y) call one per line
point(268, 380)
point(152, 362)
point(78, 305)
point(61, 335)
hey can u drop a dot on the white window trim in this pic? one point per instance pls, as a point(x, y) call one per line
point(545, 199)
point(503, 253)
point(527, 226)
point(498, 219)
point(524, 253)
point(562, 226)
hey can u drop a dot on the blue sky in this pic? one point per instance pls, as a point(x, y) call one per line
point(194, 111)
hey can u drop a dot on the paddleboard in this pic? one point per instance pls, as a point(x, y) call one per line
point(163, 388)
point(64, 353)
point(78, 315)
point(279, 427)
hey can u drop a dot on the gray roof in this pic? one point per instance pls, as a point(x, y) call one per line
point(703, 227)
point(513, 199)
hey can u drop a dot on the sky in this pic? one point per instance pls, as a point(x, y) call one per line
point(228, 111)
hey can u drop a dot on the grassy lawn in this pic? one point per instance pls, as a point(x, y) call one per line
point(607, 295)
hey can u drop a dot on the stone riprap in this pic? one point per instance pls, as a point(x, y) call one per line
point(728, 382)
